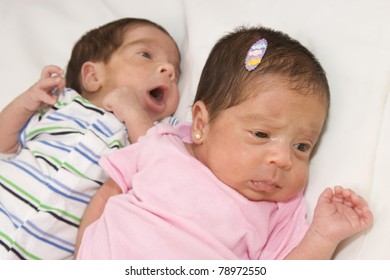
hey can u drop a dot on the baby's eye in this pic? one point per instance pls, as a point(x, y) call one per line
point(145, 54)
point(302, 147)
point(261, 134)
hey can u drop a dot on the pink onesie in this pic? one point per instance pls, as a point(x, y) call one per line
point(174, 207)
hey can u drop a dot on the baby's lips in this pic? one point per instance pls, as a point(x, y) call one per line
point(155, 100)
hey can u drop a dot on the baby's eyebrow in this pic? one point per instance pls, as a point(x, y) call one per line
point(151, 44)
point(137, 42)
point(313, 134)
point(311, 131)
point(257, 117)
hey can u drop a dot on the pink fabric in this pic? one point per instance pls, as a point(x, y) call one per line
point(173, 207)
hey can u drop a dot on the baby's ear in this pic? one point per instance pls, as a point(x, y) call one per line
point(91, 76)
point(200, 120)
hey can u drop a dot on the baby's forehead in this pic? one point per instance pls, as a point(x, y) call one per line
point(151, 36)
point(145, 33)
point(299, 85)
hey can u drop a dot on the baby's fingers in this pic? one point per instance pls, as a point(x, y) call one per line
point(48, 98)
point(358, 201)
point(349, 197)
point(45, 90)
point(48, 84)
point(355, 202)
point(51, 70)
point(367, 216)
point(361, 207)
point(344, 196)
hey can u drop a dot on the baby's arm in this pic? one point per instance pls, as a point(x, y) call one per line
point(95, 208)
point(14, 116)
point(338, 215)
point(127, 108)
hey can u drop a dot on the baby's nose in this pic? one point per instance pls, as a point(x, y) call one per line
point(280, 156)
point(168, 69)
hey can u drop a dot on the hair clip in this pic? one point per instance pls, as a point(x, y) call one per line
point(255, 54)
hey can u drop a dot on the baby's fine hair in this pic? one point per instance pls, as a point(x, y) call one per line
point(97, 45)
point(225, 82)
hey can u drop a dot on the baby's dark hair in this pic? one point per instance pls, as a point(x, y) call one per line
point(97, 45)
point(225, 82)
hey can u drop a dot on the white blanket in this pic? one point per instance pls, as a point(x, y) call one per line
point(351, 38)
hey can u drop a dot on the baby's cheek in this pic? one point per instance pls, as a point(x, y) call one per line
point(299, 179)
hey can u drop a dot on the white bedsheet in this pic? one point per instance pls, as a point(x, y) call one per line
point(351, 38)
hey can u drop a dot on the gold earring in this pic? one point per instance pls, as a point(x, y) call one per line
point(198, 135)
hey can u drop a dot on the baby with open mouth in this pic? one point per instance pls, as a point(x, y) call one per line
point(59, 134)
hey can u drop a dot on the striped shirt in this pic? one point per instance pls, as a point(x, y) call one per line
point(46, 186)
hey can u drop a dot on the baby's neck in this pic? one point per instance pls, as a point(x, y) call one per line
point(190, 149)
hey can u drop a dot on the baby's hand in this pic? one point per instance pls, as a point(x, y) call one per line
point(40, 94)
point(126, 106)
point(340, 214)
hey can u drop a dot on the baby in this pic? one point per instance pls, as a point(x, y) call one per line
point(129, 67)
point(230, 184)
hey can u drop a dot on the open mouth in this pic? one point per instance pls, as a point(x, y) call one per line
point(157, 94)
point(157, 99)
